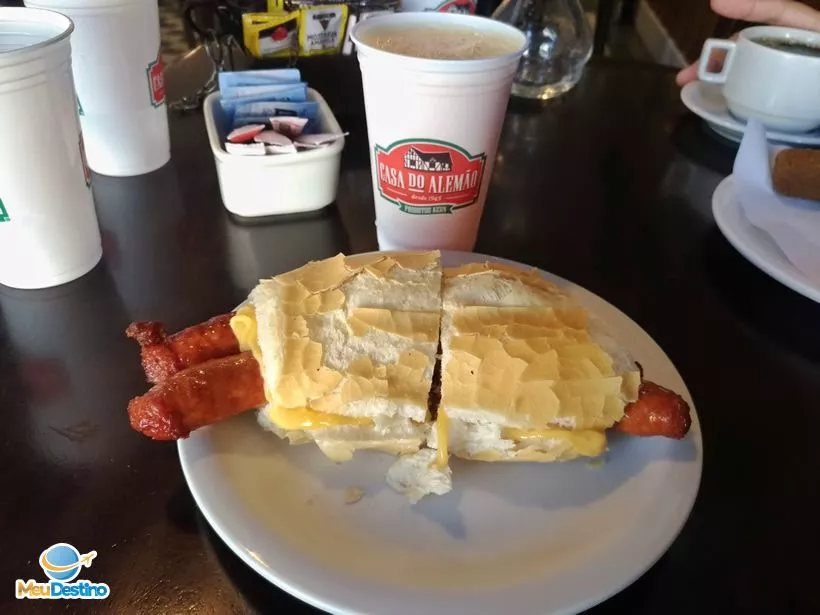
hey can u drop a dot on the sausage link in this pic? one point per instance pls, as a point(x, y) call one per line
point(198, 396)
point(657, 412)
point(165, 355)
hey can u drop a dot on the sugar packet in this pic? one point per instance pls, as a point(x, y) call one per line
point(248, 113)
point(290, 92)
point(276, 76)
point(297, 94)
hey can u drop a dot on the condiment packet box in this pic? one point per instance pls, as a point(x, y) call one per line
point(255, 184)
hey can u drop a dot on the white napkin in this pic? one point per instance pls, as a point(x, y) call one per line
point(794, 224)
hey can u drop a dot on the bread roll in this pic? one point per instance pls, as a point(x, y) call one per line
point(796, 173)
point(347, 348)
point(527, 373)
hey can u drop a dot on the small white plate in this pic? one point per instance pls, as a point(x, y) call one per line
point(706, 100)
point(510, 538)
point(753, 243)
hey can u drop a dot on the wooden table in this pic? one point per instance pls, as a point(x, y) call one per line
point(609, 186)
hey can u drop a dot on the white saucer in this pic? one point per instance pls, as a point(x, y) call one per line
point(706, 100)
point(510, 538)
point(755, 244)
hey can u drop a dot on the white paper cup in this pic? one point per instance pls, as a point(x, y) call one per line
point(434, 127)
point(48, 227)
point(120, 83)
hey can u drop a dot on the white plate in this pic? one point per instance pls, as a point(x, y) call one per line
point(753, 243)
point(706, 100)
point(509, 538)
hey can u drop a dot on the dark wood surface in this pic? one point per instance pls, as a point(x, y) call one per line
point(609, 186)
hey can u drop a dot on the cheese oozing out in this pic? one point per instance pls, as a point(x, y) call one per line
point(244, 327)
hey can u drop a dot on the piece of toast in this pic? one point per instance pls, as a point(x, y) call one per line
point(796, 173)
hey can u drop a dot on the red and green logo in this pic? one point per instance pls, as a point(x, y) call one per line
point(156, 81)
point(465, 7)
point(424, 176)
point(4, 215)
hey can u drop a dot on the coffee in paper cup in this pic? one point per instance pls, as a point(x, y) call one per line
point(436, 88)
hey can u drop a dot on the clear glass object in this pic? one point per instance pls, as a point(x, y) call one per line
point(559, 44)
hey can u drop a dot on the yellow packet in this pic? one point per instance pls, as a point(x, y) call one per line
point(322, 29)
point(271, 35)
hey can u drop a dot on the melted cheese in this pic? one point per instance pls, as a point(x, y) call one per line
point(587, 442)
point(244, 327)
point(306, 419)
point(442, 435)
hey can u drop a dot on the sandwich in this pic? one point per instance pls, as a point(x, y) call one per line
point(388, 352)
point(347, 350)
point(527, 374)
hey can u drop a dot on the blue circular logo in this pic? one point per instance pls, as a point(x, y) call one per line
point(61, 562)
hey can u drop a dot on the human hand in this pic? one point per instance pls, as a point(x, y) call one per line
point(773, 12)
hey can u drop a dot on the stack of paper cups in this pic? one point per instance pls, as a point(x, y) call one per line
point(48, 228)
point(120, 83)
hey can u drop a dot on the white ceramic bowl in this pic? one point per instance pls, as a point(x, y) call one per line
point(253, 186)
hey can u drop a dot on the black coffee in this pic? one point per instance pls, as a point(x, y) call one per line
point(784, 44)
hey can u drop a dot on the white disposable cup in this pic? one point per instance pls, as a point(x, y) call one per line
point(434, 127)
point(48, 227)
point(779, 88)
point(120, 83)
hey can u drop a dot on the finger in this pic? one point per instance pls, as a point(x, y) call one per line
point(690, 73)
point(776, 12)
point(798, 15)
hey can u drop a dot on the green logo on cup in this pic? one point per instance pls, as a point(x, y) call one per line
point(4, 215)
point(80, 107)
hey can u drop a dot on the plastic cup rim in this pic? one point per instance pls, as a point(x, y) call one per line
point(436, 65)
point(30, 15)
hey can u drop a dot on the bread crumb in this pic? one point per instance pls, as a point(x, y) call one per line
point(596, 464)
point(353, 495)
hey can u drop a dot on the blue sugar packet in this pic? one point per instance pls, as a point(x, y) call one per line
point(296, 92)
point(229, 105)
point(309, 110)
point(277, 76)
point(251, 119)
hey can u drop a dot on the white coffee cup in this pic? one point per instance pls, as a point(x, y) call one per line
point(120, 83)
point(434, 127)
point(780, 88)
point(48, 227)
